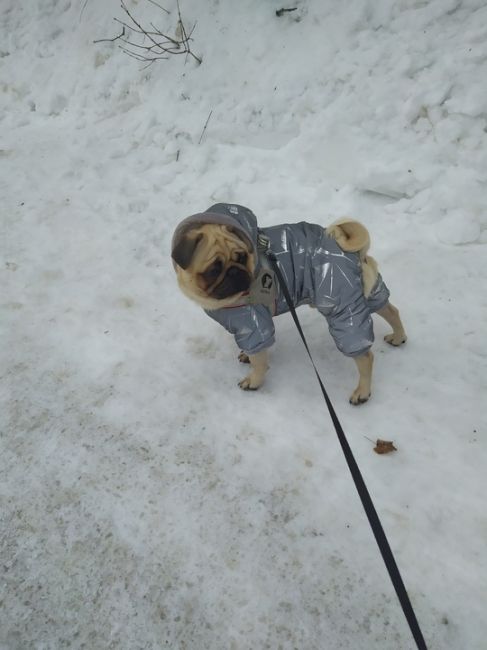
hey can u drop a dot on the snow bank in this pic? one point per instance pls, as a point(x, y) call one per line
point(146, 502)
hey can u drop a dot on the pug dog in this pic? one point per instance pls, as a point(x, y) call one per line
point(220, 261)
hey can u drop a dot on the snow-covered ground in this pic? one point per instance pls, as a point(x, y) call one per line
point(147, 502)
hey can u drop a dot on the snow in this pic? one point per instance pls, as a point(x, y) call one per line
point(147, 502)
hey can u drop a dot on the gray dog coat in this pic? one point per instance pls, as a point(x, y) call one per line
point(317, 272)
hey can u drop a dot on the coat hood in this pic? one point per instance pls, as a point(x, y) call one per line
point(235, 216)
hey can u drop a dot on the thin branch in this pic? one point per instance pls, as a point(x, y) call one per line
point(204, 128)
point(140, 57)
point(117, 20)
point(160, 44)
point(149, 64)
point(142, 31)
point(185, 36)
point(281, 12)
point(188, 38)
point(181, 24)
point(158, 5)
point(158, 32)
point(110, 40)
point(136, 23)
point(148, 48)
point(137, 57)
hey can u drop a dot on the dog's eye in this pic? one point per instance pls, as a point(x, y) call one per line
point(214, 270)
point(242, 258)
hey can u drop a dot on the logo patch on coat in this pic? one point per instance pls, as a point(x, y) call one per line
point(266, 281)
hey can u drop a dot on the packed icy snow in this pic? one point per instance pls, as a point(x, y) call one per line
point(147, 502)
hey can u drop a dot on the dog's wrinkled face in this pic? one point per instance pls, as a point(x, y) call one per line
point(215, 265)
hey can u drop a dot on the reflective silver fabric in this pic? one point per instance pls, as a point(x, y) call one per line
point(317, 272)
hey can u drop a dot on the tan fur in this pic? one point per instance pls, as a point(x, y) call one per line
point(353, 237)
point(391, 315)
point(364, 366)
point(217, 242)
point(365, 363)
point(350, 235)
point(369, 274)
point(259, 364)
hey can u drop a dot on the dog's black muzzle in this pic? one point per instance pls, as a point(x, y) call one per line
point(234, 281)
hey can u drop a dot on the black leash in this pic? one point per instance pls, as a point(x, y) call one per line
point(362, 490)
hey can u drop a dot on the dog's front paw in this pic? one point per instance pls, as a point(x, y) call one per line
point(396, 339)
point(358, 397)
point(249, 383)
point(258, 366)
point(243, 357)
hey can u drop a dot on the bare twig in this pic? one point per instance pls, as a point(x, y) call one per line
point(185, 39)
point(140, 57)
point(158, 45)
point(204, 128)
point(115, 38)
point(136, 23)
point(160, 7)
point(158, 32)
point(281, 12)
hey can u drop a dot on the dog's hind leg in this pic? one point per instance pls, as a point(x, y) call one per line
point(391, 315)
point(364, 366)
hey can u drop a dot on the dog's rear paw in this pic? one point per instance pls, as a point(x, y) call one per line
point(248, 384)
point(396, 339)
point(357, 397)
point(243, 357)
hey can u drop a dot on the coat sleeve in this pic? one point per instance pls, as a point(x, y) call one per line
point(251, 325)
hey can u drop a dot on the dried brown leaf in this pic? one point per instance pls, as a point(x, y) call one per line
point(384, 446)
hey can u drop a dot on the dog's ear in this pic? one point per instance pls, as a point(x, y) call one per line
point(184, 250)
